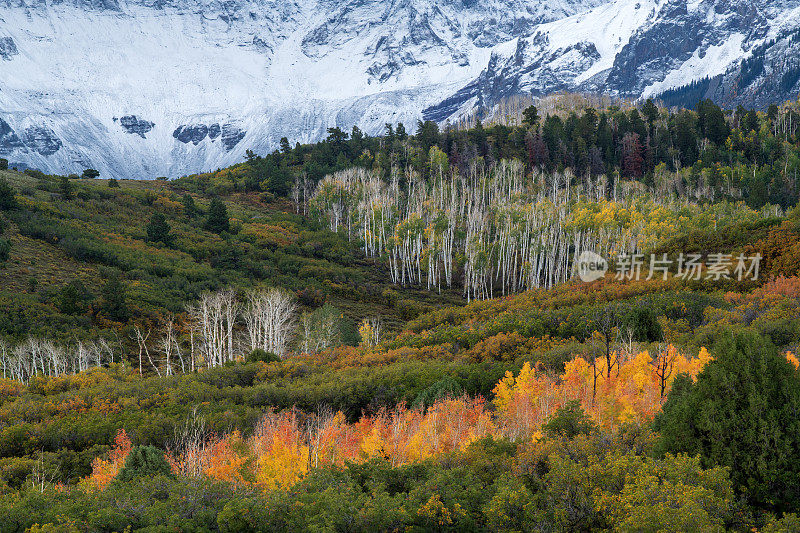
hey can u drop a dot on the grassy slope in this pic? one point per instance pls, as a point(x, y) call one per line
point(36, 258)
point(273, 246)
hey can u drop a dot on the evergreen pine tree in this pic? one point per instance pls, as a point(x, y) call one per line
point(72, 298)
point(189, 207)
point(115, 300)
point(5, 250)
point(7, 198)
point(530, 116)
point(144, 461)
point(744, 413)
point(650, 112)
point(217, 220)
point(65, 188)
point(158, 229)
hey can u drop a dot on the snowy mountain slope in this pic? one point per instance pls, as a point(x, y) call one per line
point(694, 39)
point(637, 48)
point(770, 74)
point(561, 55)
point(142, 88)
point(147, 88)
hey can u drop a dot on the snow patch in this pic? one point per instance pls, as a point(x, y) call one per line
point(715, 60)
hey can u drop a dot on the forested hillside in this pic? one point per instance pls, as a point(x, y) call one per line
point(385, 334)
point(85, 259)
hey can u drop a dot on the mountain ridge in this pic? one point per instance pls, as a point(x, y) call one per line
point(129, 87)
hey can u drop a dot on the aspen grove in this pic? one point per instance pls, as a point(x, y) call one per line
point(499, 230)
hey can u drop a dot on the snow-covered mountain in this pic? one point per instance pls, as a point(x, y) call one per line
point(142, 88)
point(641, 48)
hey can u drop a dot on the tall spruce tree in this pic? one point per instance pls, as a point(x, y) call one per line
point(158, 229)
point(144, 461)
point(115, 299)
point(65, 188)
point(530, 116)
point(217, 220)
point(189, 206)
point(7, 196)
point(744, 413)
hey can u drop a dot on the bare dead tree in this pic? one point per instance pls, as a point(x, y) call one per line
point(190, 443)
point(317, 427)
point(141, 341)
point(213, 319)
point(169, 347)
point(269, 317)
point(664, 364)
point(42, 476)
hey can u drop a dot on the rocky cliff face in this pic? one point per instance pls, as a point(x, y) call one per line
point(640, 48)
point(770, 75)
point(140, 88)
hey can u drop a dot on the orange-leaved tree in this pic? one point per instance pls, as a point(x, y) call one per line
point(634, 392)
point(105, 470)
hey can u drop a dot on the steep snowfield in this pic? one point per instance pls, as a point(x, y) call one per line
point(142, 88)
point(637, 48)
point(74, 76)
point(608, 28)
point(707, 63)
point(560, 55)
point(177, 87)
